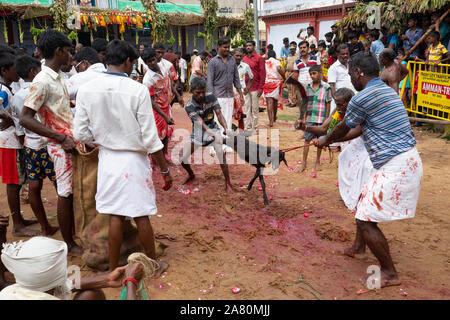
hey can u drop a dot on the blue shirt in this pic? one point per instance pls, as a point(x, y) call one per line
point(408, 44)
point(284, 52)
point(376, 47)
point(385, 126)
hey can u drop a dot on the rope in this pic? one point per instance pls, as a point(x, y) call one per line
point(150, 268)
point(295, 148)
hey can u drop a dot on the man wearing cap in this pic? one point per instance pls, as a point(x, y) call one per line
point(289, 68)
point(39, 266)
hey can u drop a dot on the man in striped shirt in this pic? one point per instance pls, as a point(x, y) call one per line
point(392, 190)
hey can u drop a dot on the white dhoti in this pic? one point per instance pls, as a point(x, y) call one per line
point(124, 184)
point(392, 192)
point(354, 171)
point(226, 107)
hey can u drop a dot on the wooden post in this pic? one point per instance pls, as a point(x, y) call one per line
point(432, 27)
point(343, 9)
point(432, 121)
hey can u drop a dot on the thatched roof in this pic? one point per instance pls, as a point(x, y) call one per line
point(394, 13)
point(28, 11)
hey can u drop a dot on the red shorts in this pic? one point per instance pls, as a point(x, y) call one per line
point(12, 166)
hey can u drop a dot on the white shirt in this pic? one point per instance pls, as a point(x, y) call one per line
point(9, 137)
point(183, 69)
point(116, 112)
point(16, 86)
point(32, 140)
point(303, 69)
point(338, 73)
point(143, 64)
point(74, 83)
point(244, 69)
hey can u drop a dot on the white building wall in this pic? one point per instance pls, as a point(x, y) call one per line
point(277, 33)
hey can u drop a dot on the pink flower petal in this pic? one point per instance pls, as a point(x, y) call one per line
point(236, 290)
point(161, 286)
point(306, 214)
point(260, 188)
point(270, 197)
point(314, 175)
point(299, 161)
point(337, 184)
point(291, 169)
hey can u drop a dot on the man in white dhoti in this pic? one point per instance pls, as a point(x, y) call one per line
point(115, 112)
point(393, 187)
point(39, 266)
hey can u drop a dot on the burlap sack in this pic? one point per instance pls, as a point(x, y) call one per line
point(90, 226)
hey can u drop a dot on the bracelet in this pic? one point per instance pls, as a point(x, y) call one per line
point(166, 173)
point(64, 139)
point(124, 283)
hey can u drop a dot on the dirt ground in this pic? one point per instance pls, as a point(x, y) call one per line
point(218, 241)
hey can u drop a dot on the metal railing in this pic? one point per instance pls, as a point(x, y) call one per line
point(430, 90)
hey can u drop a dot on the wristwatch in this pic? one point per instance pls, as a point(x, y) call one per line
point(167, 173)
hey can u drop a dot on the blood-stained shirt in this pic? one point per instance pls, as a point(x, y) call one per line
point(159, 87)
point(272, 74)
point(167, 68)
point(49, 97)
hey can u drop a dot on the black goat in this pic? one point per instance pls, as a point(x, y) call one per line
point(256, 155)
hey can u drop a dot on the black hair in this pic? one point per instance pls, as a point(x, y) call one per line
point(435, 34)
point(272, 54)
point(285, 40)
point(310, 28)
point(241, 50)
point(6, 60)
point(333, 26)
point(88, 54)
point(329, 35)
point(316, 68)
point(352, 35)
point(345, 93)
point(223, 41)
point(146, 45)
point(341, 47)
point(312, 46)
point(367, 62)
point(388, 54)
point(118, 51)
point(323, 45)
point(198, 83)
point(159, 45)
point(252, 42)
point(204, 53)
point(6, 48)
point(303, 42)
point(375, 34)
point(293, 42)
point(148, 54)
point(270, 47)
point(50, 40)
point(24, 64)
point(331, 51)
point(99, 44)
point(263, 50)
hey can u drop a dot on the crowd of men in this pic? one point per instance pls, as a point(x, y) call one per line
point(119, 98)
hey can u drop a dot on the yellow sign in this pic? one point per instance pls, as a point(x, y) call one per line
point(434, 91)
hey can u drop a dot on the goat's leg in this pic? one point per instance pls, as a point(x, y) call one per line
point(263, 185)
point(250, 185)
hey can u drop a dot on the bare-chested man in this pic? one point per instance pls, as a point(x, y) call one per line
point(393, 71)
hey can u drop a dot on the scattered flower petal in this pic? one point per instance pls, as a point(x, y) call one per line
point(361, 291)
point(260, 188)
point(161, 286)
point(337, 184)
point(270, 197)
point(299, 161)
point(236, 290)
point(306, 214)
point(291, 168)
point(314, 175)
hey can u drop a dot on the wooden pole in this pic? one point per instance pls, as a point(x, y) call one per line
point(426, 34)
point(432, 121)
point(343, 9)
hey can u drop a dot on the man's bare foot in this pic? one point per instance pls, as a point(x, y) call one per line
point(353, 253)
point(302, 167)
point(27, 223)
point(25, 232)
point(189, 179)
point(75, 250)
point(163, 266)
point(50, 231)
point(388, 281)
point(229, 188)
point(318, 167)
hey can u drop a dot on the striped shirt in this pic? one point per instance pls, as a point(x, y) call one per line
point(385, 126)
point(317, 102)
